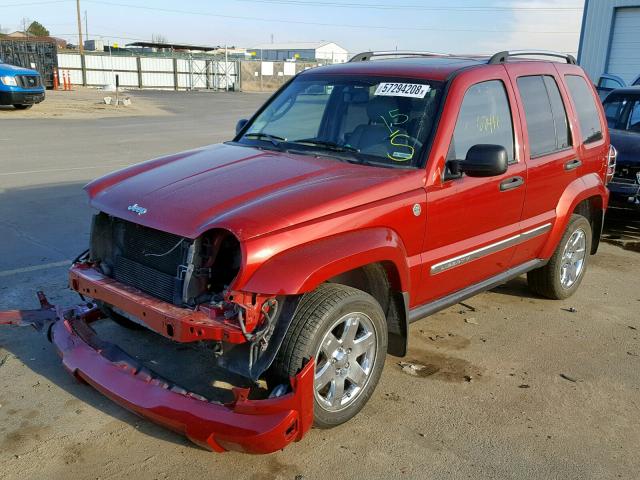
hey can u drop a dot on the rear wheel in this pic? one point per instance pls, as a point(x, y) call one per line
point(561, 277)
point(344, 330)
point(22, 106)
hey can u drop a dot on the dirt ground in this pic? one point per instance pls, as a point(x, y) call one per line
point(87, 103)
point(518, 387)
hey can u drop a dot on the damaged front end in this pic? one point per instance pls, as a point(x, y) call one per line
point(180, 288)
point(252, 426)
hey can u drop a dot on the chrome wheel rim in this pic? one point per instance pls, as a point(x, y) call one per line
point(344, 361)
point(573, 258)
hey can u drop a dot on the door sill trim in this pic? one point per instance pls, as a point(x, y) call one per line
point(418, 313)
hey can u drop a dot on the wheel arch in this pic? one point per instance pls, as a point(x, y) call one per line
point(587, 196)
point(372, 260)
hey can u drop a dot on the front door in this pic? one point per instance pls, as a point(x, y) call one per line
point(472, 222)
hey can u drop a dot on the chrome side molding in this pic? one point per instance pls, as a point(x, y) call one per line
point(488, 249)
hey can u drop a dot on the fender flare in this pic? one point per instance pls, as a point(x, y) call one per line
point(302, 268)
point(580, 189)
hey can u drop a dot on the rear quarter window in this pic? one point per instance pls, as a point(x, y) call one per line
point(585, 106)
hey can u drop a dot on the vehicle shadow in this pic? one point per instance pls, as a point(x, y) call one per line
point(516, 287)
point(622, 228)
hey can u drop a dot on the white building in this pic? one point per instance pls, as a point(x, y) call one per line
point(327, 51)
point(610, 39)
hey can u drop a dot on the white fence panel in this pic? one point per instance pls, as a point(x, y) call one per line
point(106, 62)
point(160, 80)
point(127, 79)
point(191, 81)
point(74, 75)
point(196, 65)
point(150, 64)
point(69, 60)
point(220, 68)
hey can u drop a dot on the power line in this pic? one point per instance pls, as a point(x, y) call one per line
point(412, 7)
point(321, 24)
point(22, 4)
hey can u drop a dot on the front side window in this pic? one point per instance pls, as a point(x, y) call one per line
point(545, 114)
point(381, 121)
point(484, 118)
point(584, 103)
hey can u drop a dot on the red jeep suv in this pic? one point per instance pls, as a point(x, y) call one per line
point(360, 198)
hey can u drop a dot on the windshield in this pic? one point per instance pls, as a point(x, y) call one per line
point(623, 112)
point(374, 120)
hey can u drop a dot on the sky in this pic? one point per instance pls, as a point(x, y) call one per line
point(451, 26)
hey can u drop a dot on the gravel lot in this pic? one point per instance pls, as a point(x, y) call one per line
point(525, 388)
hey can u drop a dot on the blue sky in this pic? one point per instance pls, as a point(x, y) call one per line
point(455, 26)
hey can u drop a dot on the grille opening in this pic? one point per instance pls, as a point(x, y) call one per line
point(178, 270)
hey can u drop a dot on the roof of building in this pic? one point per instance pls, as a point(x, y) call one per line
point(292, 46)
point(174, 46)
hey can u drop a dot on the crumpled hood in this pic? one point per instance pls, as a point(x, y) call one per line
point(244, 189)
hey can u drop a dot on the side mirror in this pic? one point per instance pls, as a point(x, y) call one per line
point(484, 160)
point(240, 125)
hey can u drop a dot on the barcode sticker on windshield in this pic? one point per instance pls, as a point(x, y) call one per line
point(414, 90)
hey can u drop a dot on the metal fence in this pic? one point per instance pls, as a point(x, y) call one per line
point(174, 73)
point(38, 53)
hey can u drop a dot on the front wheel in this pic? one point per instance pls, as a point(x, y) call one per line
point(561, 277)
point(344, 330)
point(22, 106)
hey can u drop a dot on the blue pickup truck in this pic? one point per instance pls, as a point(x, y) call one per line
point(20, 87)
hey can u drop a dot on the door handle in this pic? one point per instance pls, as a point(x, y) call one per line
point(511, 183)
point(572, 164)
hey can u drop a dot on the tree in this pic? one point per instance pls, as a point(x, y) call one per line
point(158, 38)
point(37, 29)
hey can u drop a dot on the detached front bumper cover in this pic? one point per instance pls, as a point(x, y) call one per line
point(252, 426)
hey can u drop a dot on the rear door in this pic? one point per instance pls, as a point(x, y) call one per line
point(549, 151)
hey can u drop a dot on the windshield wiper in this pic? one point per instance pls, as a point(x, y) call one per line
point(336, 147)
point(276, 140)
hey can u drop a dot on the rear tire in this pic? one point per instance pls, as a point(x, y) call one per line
point(22, 107)
point(561, 277)
point(345, 330)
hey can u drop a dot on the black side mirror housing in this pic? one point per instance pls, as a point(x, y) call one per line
point(484, 160)
point(240, 125)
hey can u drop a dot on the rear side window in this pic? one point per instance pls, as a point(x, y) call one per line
point(485, 117)
point(545, 114)
point(585, 106)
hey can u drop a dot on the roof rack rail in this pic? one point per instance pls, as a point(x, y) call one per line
point(502, 57)
point(364, 56)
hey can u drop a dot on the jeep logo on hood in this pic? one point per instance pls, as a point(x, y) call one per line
point(135, 208)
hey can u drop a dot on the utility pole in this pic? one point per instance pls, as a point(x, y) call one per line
point(80, 46)
point(86, 26)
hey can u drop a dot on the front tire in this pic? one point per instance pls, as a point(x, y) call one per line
point(344, 330)
point(22, 106)
point(561, 277)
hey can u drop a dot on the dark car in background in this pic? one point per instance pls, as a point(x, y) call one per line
point(622, 109)
point(607, 83)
